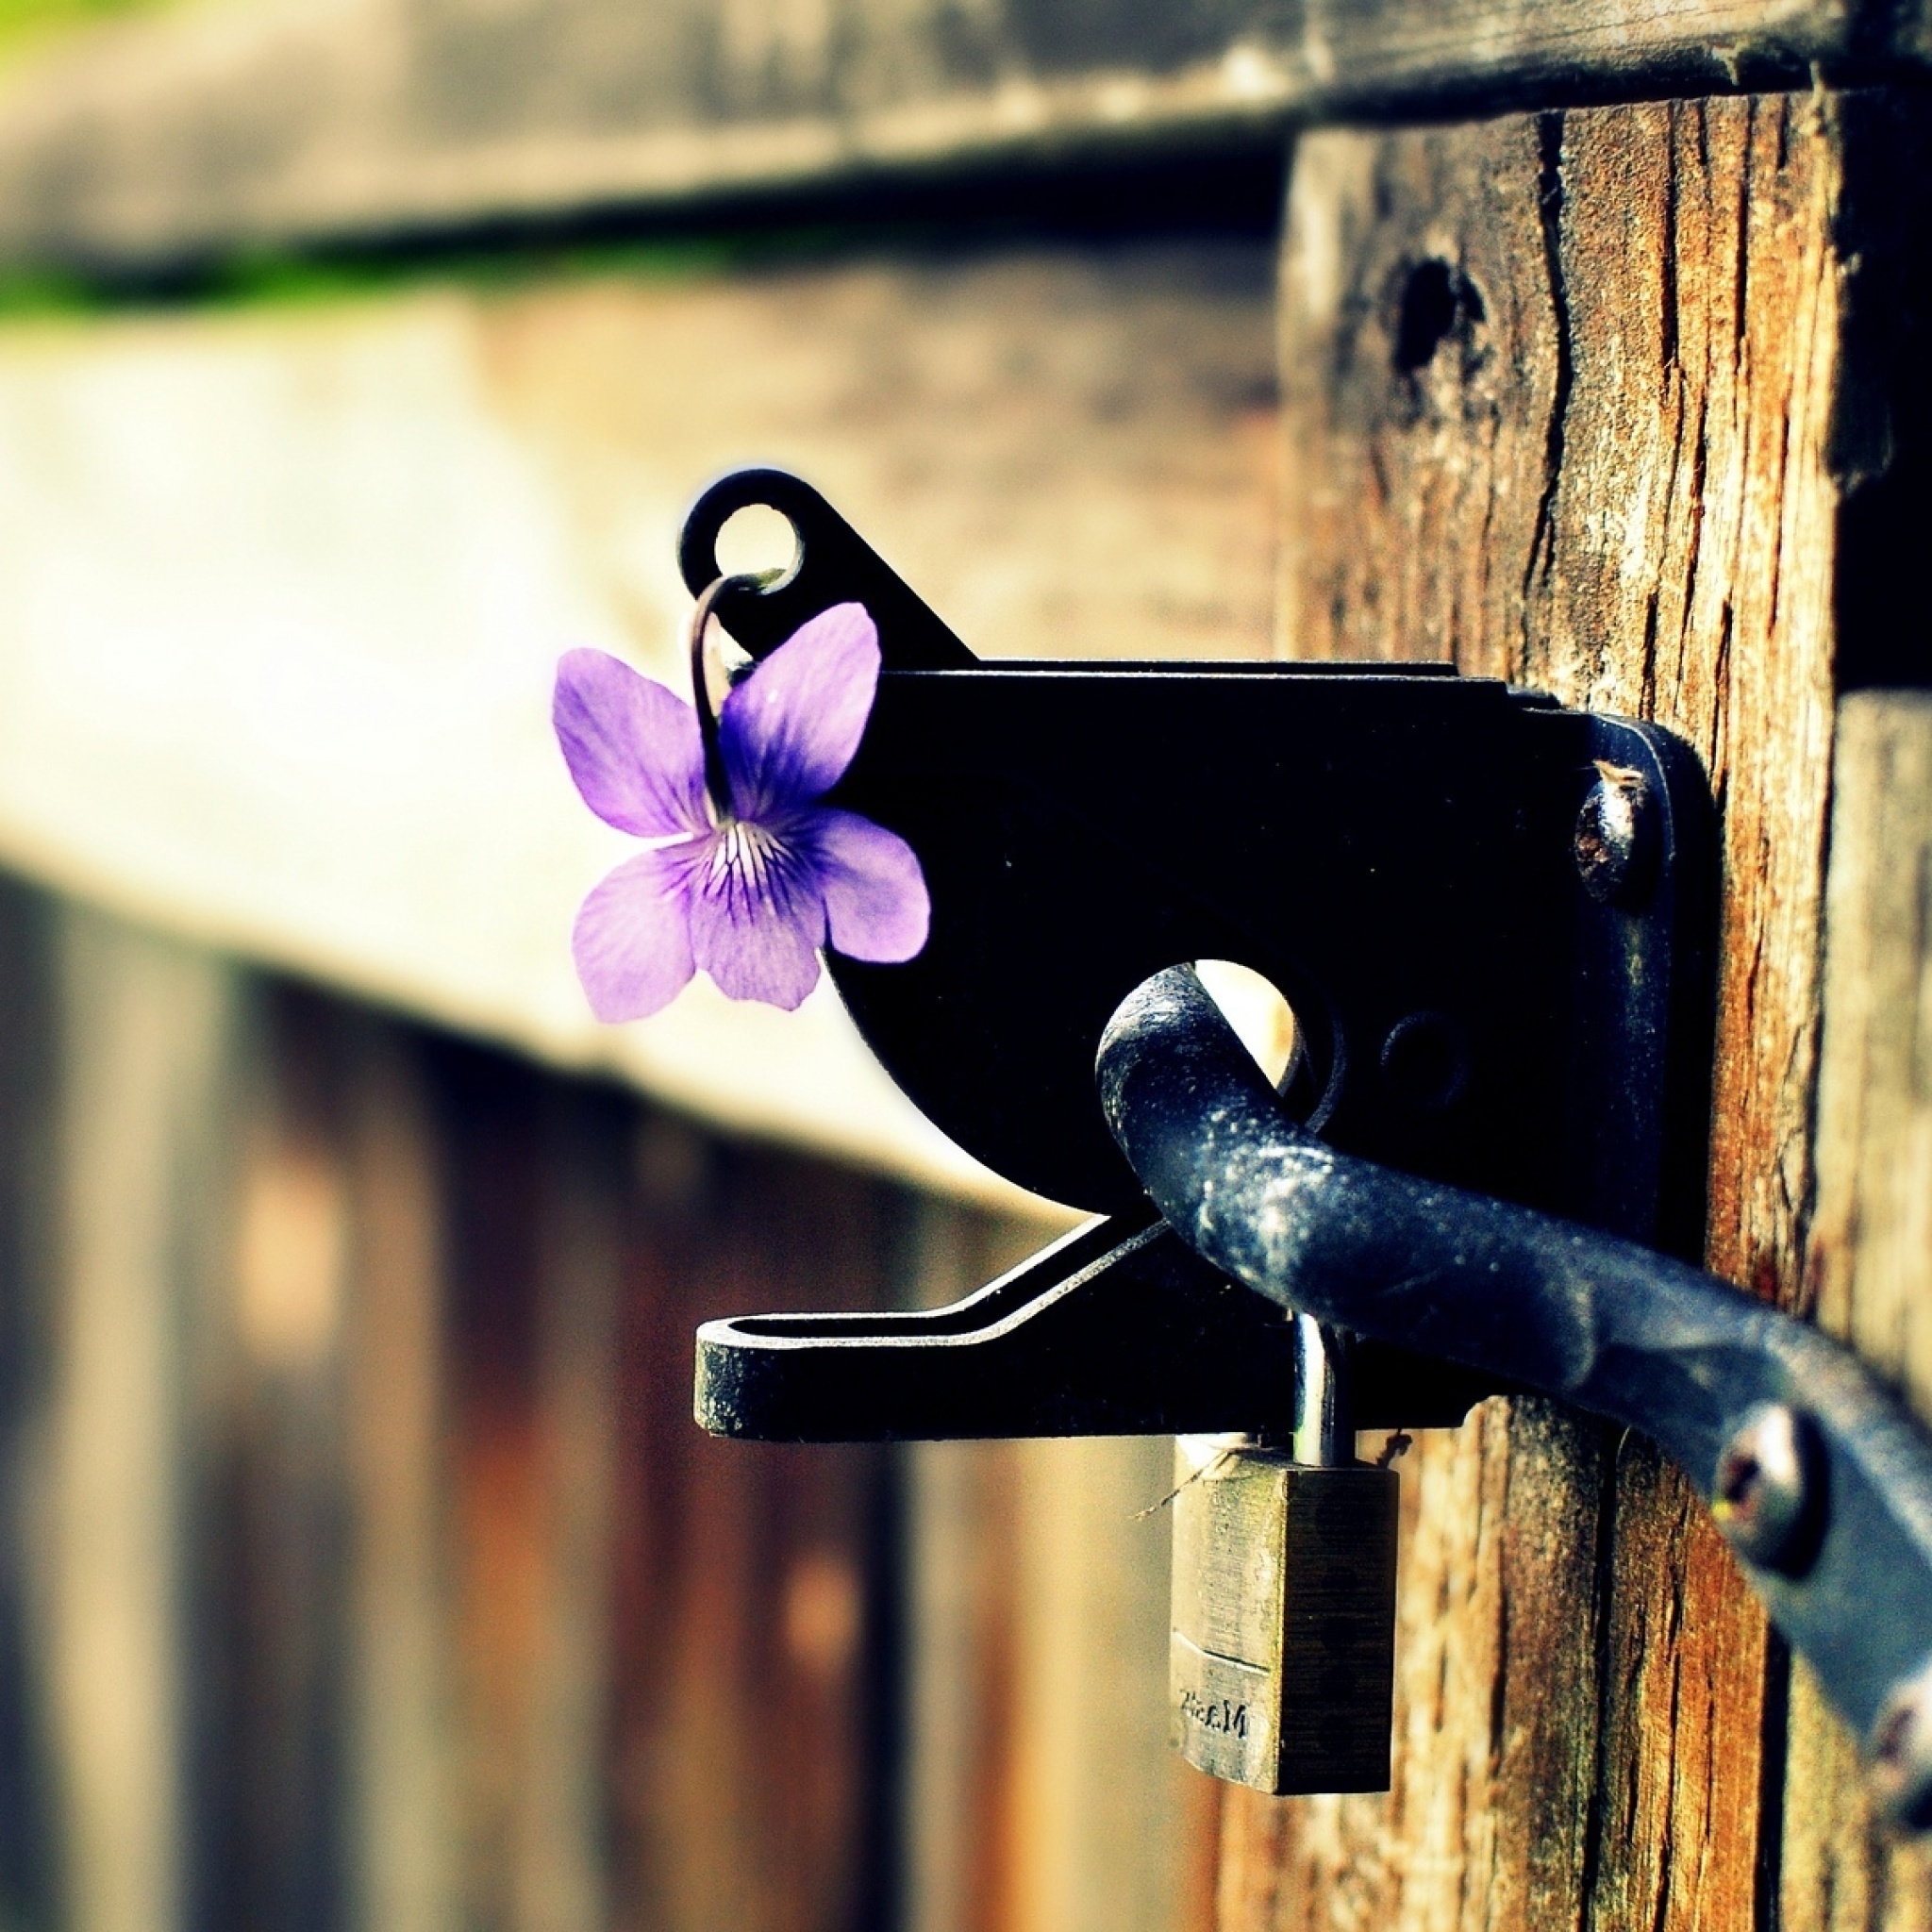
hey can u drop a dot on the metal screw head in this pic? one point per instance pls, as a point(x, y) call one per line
point(1899, 1753)
point(1616, 839)
point(1768, 1494)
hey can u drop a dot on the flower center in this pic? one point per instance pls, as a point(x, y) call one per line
point(749, 859)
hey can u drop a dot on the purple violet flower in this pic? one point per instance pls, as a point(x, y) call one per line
point(748, 884)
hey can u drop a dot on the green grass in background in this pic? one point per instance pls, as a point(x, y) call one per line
point(25, 23)
point(27, 293)
point(283, 278)
point(272, 277)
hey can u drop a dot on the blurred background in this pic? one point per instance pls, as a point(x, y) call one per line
point(359, 1563)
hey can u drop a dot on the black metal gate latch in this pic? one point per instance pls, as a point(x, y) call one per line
point(1490, 917)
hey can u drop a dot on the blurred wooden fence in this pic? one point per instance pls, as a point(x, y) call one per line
point(169, 141)
point(362, 1566)
point(380, 1575)
point(359, 1566)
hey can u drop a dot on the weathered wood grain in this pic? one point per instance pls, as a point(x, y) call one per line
point(1614, 483)
point(1562, 403)
point(1500, 1523)
point(239, 126)
point(1871, 1238)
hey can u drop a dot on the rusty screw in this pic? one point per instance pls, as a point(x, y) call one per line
point(1616, 837)
point(1768, 1494)
point(1900, 1754)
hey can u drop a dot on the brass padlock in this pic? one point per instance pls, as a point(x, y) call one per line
point(1282, 1651)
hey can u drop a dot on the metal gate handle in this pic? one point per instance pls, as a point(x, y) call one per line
point(1820, 1479)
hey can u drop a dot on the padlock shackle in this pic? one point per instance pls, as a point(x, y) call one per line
point(1812, 1466)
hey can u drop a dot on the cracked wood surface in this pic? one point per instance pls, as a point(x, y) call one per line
point(1600, 401)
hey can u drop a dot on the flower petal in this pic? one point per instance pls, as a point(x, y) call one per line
point(632, 746)
point(877, 904)
point(632, 939)
point(757, 916)
point(789, 731)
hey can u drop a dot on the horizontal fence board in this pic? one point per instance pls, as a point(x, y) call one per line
point(316, 119)
point(281, 594)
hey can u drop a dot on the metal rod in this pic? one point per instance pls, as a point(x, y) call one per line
point(1844, 1563)
point(1323, 1422)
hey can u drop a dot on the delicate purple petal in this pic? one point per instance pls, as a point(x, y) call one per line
point(765, 959)
point(632, 746)
point(877, 904)
point(789, 731)
point(757, 915)
point(632, 940)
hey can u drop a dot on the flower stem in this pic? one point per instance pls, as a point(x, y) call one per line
point(717, 782)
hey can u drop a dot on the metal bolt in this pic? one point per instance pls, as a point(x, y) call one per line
point(1900, 1754)
point(1616, 838)
point(1323, 1420)
point(1768, 1494)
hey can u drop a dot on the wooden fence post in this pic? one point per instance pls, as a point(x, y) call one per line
point(1872, 1236)
point(1612, 402)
